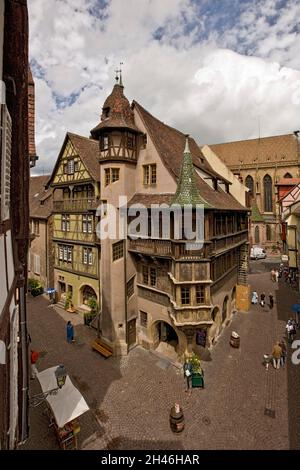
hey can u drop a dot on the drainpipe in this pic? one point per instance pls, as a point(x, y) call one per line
point(46, 250)
point(24, 352)
point(125, 291)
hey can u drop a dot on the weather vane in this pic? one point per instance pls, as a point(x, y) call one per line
point(118, 76)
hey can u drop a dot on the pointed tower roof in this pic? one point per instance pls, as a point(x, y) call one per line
point(187, 191)
point(116, 111)
point(255, 213)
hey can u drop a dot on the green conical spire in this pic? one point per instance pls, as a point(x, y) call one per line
point(187, 191)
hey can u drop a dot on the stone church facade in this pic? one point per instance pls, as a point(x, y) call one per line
point(262, 164)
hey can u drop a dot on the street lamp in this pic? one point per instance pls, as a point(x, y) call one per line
point(60, 375)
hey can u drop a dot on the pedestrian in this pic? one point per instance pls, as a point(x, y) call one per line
point(271, 300)
point(282, 344)
point(290, 330)
point(297, 317)
point(262, 299)
point(70, 332)
point(276, 353)
point(34, 355)
point(187, 368)
point(254, 298)
point(273, 275)
point(267, 360)
point(277, 275)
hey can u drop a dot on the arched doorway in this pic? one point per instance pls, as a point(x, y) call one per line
point(87, 293)
point(165, 339)
point(215, 327)
point(225, 309)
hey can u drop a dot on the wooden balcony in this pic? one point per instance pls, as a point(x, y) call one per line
point(76, 205)
point(169, 249)
point(229, 241)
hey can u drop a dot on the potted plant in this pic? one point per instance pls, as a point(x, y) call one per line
point(93, 305)
point(197, 372)
point(68, 303)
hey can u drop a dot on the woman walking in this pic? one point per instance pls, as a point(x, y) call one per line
point(70, 332)
point(271, 300)
point(262, 299)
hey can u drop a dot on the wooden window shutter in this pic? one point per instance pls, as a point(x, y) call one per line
point(6, 136)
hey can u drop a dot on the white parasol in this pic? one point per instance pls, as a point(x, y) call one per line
point(68, 403)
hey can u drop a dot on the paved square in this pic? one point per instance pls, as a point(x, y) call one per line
point(130, 398)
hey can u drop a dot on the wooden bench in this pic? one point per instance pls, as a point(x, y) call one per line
point(102, 348)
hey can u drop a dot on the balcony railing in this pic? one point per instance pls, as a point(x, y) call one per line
point(229, 241)
point(169, 248)
point(76, 205)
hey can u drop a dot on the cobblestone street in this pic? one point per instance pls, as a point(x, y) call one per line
point(243, 406)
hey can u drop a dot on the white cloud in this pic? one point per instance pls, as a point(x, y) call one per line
point(213, 93)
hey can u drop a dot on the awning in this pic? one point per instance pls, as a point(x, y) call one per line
point(68, 403)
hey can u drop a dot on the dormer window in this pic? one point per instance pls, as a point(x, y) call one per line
point(104, 142)
point(106, 113)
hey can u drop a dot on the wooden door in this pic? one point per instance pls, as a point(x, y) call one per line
point(132, 332)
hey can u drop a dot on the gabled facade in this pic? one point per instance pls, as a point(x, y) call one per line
point(76, 251)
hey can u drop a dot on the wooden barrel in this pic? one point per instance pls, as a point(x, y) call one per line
point(176, 420)
point(235, 342)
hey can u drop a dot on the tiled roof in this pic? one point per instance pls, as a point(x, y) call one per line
point(277, 148)
point(116, 112)
point(255, 213)
point(170, 144)
point(88, 150)
point(288, 182)
point(187, 191)
point(148, 199)
point(40, 200)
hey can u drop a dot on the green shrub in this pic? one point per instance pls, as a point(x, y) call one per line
point(33, 283)
point(88, 318)
point(93, 305)
point(68, 301)
point(37, 291)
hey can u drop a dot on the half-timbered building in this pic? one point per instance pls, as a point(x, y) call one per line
point(154, 290)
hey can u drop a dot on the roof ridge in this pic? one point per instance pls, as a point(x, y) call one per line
point(248, 140)
point(161, 122)
point(90, 139)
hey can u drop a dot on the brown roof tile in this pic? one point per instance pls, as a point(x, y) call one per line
point(88, 150)
point(40, 199)
point(288, 182)
point(170, 144)
point(116, 112)
point(276, 148)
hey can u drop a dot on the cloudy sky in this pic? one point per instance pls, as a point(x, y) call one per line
point(217, 69)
